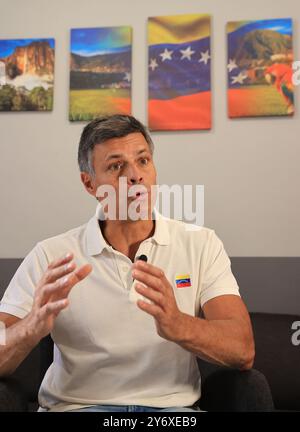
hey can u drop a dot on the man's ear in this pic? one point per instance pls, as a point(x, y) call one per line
point(88, 183)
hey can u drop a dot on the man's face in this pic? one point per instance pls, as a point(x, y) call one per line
point(128, 157)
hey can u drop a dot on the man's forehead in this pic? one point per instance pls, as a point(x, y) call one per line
point(134, 143)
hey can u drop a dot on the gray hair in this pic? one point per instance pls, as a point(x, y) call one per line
point(102, 129)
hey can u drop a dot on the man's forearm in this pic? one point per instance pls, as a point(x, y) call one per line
point(224, 342)
point(18, 344)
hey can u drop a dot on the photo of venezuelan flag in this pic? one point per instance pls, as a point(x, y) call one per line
point(260, 57)
point(179, 77)
point(100, 72)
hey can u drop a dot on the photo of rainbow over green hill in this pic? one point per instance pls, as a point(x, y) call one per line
point(100, 72)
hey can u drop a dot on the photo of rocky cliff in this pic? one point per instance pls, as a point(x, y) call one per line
point(26, 74)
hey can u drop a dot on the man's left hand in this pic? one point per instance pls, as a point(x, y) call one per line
point(169, 320)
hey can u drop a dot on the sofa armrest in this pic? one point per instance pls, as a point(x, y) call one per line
point(12, 396)
point(234, 390)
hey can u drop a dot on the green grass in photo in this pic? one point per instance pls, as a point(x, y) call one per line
point(268, 101)
point(88, 104)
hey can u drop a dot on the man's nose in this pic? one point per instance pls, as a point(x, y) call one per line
point(134, 176)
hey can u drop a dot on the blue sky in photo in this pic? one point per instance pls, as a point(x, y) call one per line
point(102, 40)
point(283, 26)
point(7, 46)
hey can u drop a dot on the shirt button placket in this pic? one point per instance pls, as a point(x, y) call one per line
point(125, 275)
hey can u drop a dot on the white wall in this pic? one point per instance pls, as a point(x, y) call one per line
point(250, 167)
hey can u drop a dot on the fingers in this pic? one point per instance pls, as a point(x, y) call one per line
point(57, 290)
point(149, 268)
point(67, 269)
point(155, 296)
point(53, 307)
point(151, 281)
point(60, 261)
point(61, 288)
point(151, 309)
point(83, 271)
point(60, 270)
point(78, 275)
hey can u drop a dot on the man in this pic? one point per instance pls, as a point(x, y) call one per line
point(111, 353)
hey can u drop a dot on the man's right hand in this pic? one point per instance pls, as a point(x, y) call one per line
point(51, 295)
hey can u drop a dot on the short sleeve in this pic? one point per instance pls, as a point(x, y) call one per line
point(217, 276)
point(18, 297)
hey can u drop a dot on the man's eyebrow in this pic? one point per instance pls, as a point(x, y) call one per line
point(144, 150)
point(120, 155)
point(113, 156)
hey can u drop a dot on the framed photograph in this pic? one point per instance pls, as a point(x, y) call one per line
point(260, 57)
point(100, 72)
point(26, 74)
point(179, 72)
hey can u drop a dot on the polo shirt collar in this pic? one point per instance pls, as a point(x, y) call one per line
point(96, 243)
point(161, 233)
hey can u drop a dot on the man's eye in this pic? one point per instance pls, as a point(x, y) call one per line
point(115, 167)
point(144, 161)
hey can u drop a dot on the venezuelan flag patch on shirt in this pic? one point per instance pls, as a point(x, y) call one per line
point(183, 281)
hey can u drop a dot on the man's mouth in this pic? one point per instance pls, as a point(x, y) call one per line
point(140, 195)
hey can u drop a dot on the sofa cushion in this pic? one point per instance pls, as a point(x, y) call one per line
point(277, 358)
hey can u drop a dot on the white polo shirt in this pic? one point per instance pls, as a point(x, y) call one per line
point(107, 350)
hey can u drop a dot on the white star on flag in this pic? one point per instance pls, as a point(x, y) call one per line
point(239, 79)
point(232, 65)
point(153, 64)
point(166, 55)
point(187, 53)
point(127, 76)
point(204, 57)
